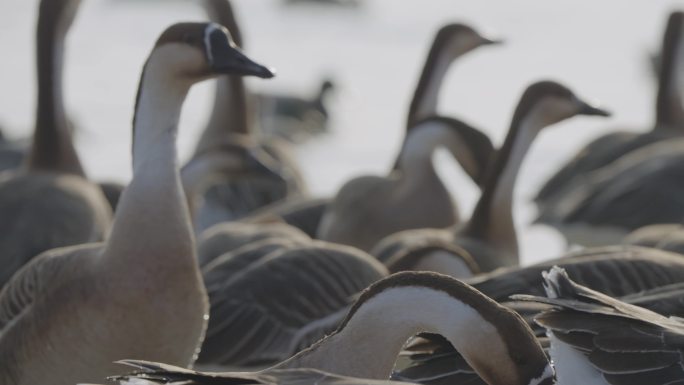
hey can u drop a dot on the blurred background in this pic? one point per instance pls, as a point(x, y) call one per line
point(374, 53)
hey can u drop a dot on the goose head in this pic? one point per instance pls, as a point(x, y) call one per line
point(458, 39)
point(546, 102)
point(202, 50)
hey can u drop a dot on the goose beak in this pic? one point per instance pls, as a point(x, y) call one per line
point(492, 41)
point(237, 63)
point(589, 109)
point(225, 58)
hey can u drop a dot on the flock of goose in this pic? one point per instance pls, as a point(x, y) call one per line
point(226, 262)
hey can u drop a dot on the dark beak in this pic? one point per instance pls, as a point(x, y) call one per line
point(492, 41)
point(226, 58)
point(588, 109)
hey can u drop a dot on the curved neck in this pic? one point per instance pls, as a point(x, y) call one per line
point(415, 159)
point(492, 220)
point(232, 111)
point(52, 149)
point(369, 341)
point(669, 109)
point(152, 217)
point(426, 94)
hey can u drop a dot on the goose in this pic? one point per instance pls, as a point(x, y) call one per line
point(617, 271)
point(490, 235)
point(269, 172)
point(48, 202)
point(596, 339)
point(640, 189)
point(295, 118)
point(230, 236)
point(368, 340)
point(669, 123)
point(270, 299)
point(369, 208)
point(451, 42)
point(90, 303)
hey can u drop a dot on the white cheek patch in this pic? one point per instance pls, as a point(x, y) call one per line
point(547, 374)
point(211, 28)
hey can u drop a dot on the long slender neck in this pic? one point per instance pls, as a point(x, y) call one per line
point(669, 108)
point(492, 220)
point(232, 111)
point(415, 159)
point(426, 95)
point(368, 344)
point(152, 218)
point(52, 149)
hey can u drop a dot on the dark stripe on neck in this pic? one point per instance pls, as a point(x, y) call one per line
point(513, 330)
point(428, 70)
point(52, 149)
point(669, 110)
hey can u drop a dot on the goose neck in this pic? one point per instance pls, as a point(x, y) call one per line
point(669, 108)
point(52, 148)
point(426, 95)
point(154, 203)
point(492, 220)
point(368, 342)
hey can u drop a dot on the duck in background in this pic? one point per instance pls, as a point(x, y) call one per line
point(49, 202)
point(140, 293)
point(669, 123)
point(490, 235)
point(294, 118)
point(11, 152)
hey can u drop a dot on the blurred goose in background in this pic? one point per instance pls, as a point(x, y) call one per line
point(596, 339)
point(48, 202)
point(490, 235)
point(295, 118)
point(90, 303)
point(275, 297)
point(369, 208)
point(269, 174)
point(451, 42)
point(367, 342)
point(642, 188)
point(669, 123)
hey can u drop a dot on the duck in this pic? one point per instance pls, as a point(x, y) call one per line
point(295, 118)
point(490, 235)
point(143, 284)
point(452, 41)
point(269, 171)
point(596, 339)
point(11, 152)
point(368, 340)
point(48, 202)
point(270, 299)
point(669, 123)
